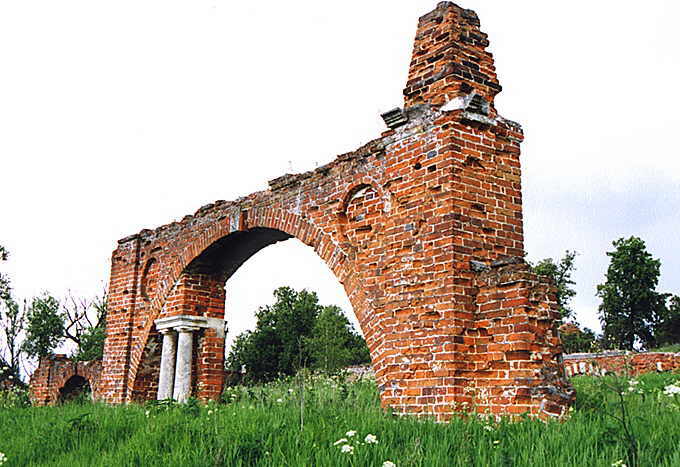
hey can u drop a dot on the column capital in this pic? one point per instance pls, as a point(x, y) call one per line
point(186, 328)
point(197, 322)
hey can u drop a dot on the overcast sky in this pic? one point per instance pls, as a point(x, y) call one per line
point(119, 116)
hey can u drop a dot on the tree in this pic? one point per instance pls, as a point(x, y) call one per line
point(12, 323)
point(333, 343)
point(667, 330)
point(631, 308)
point(574, 339)
point(45, 327)
point(276, 346)
point(296, 332)
point(560, 273)
point(85, 326)
point(4, 281)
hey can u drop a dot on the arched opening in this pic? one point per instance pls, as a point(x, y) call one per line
point(76, 389)
point(196, 305)
point(289, 263)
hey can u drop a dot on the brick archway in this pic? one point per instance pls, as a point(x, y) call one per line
point(220, 257)
point(423, 226)
point(53, 374)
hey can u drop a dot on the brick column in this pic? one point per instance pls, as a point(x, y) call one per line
point(122, 303)
point(198, 300)
point(210, 363)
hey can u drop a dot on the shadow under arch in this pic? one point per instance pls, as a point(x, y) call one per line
point(74, 387)
point(219, 259)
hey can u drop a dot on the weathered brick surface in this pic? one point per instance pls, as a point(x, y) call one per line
point(422, 226)
point(53, 374)
point(620, 362)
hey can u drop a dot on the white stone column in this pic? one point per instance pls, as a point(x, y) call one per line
point(185, 345)
point(166, 378)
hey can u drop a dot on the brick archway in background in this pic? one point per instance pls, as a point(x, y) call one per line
point(53, 374)
point(423, 227)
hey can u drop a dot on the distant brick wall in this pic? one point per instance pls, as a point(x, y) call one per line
point(53, 373)
point(422, 226)
point(620, 362)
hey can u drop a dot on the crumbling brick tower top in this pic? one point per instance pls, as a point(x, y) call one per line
point(450, 59)
point(422, 226)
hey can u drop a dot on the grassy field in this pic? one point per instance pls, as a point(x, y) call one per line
point(271, 425)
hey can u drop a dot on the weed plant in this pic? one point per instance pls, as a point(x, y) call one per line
point(341, 424)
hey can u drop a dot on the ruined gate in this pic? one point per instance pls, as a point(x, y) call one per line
point(422, 226)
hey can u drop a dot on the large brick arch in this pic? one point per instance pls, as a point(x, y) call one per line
point(218, 254)
point(423, 226)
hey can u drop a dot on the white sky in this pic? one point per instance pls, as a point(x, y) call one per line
point(119, 116)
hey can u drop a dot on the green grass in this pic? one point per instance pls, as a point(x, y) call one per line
point(668, 348)
point(255, 429)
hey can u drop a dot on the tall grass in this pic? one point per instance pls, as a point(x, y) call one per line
point(262, 426)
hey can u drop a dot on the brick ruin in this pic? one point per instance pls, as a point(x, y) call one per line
point(57, 378)
point(422, 226)
point(620, 362)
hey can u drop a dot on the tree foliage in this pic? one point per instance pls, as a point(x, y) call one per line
point(44, 327)
point(290, 334)
point(276, 346)
point(12, 324)
point(667, 330)
point(560, 272)
point(334, 344)
point(576, 339)
point(631, 307)
point(4, 280)
point(85, 325)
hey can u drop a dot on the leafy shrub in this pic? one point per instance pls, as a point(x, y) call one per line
point(13, 398)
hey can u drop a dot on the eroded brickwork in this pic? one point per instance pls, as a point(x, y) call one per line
point(422, 226)
point(620, 362)
point(53, 374)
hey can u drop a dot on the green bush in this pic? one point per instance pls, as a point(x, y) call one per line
point(13, 398)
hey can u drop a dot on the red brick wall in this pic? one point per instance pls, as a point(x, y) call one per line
point(54, 372)
point(420, 225)
point(620, 363)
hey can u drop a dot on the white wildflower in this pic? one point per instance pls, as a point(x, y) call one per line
point(496, 442)
point(671, 390)
point(279, 400)
point(3, 458)
point(371, 439)
point(147, 413)
point(291, 391)
point(619, 463)
point(347, 449)
point(488, 427)
point(340, 441)
point(389, 464)
point(351, 433)
point(210, 412)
